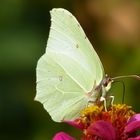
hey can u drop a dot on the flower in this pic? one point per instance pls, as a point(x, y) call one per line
point(120, 122)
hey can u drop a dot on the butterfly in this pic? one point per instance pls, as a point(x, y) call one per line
point(70, 73)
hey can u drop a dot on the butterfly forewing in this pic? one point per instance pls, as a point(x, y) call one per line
point(68, 42)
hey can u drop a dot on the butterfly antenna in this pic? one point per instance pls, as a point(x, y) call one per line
point(126, 76)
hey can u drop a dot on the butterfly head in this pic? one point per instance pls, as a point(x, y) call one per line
point(106, 82)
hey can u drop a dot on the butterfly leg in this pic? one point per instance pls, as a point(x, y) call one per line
point(112, 99)
point(102, 99)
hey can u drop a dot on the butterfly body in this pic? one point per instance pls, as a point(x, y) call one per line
point(100, 92)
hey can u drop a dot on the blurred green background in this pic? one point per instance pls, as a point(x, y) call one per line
point(113, 26)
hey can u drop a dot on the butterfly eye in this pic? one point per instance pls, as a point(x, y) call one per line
point(106, 81)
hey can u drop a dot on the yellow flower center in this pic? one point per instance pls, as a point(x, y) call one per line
point(118, 115)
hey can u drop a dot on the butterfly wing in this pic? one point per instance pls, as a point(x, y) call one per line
point(57, 91)
point(69, 68)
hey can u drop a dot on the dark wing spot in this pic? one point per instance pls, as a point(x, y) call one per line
point(60, 78)
point(70, 16)
point(77, 46)
point(85, 37)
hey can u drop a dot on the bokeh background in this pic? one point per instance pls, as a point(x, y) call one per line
point(113, 26)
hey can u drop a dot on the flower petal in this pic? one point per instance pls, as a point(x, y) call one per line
point(136, 117)
point(132, 126)
point(102, 129)
point(75, 123)
point(63, 136)
point(136, 138)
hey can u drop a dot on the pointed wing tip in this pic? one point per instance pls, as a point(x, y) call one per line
point(56, 10)
point(36, 99)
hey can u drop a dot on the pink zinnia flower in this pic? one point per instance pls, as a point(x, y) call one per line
point(120, 122)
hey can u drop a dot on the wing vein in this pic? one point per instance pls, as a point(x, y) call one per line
point(71, 77)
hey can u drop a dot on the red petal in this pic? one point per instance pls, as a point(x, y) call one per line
point(63, 136)
point(75, 124)
point(102, 129)
point(132, 127)
point(136, 117)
